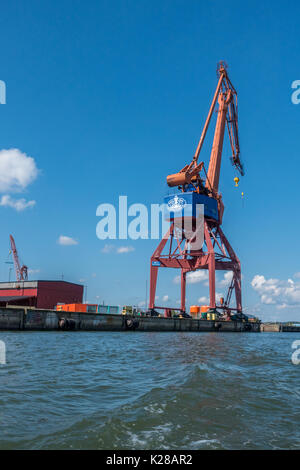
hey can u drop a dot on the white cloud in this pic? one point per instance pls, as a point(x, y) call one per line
point(197, 276)
point(66, 241)
point(119, 250)
point(203, 300)
point(267, 299)
point(142, 304)
point(17, 204)
point(193, 277)
point(227, 278)
point(17, 170)
point(297, 275)
point(125, 249)
point(165, 298)
point(107, 248)
point(282, 306)
point(33, 271)
point(278, 292)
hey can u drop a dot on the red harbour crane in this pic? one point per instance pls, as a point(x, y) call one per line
point(21, 271)
point(193, 188)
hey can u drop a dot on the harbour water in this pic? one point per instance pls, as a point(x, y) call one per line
point(111, 390)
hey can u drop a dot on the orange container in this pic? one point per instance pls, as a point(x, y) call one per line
point(194, 310)
point(79, 308)
point(204, 308)
point(72, 307)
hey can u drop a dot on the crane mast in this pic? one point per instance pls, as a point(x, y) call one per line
point(21, 271)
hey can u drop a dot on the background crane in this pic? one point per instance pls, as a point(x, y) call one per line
point(21, 271)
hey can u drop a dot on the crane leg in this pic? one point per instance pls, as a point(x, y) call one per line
point(238, 288)
point(183, 290)
point(211, 268)
point(212, 281)
point(153, 281)
point(237, 276)
point(154, 269)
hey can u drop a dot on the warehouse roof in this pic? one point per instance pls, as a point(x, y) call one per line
point(28, 284)
point(12, 298)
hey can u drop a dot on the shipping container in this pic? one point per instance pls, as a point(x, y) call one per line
point(79, 308)
point(194, 310)
point(211, 316)
point(113, 309)
point(108, 309)
point(127, 310)
point(90, 308)
point(204, 308)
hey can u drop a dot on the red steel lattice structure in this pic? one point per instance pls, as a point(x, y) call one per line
point(174, 250)
point(21, 271)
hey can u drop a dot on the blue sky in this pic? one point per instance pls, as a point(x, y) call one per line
point(108, 98)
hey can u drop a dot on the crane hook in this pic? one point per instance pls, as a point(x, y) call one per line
point(236, 180)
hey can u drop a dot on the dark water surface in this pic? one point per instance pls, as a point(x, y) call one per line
point(81, 390)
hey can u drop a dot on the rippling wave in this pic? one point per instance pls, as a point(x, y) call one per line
point(149, 391)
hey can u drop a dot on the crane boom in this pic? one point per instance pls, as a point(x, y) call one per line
point(213, 174)
point(21, 271)
point(227, 114)
point(226, 96)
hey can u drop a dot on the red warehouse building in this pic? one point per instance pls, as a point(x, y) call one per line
point(40, 294)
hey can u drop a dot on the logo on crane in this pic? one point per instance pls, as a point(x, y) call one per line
point(176, 204)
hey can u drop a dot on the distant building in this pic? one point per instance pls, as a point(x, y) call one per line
point(40, 294)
